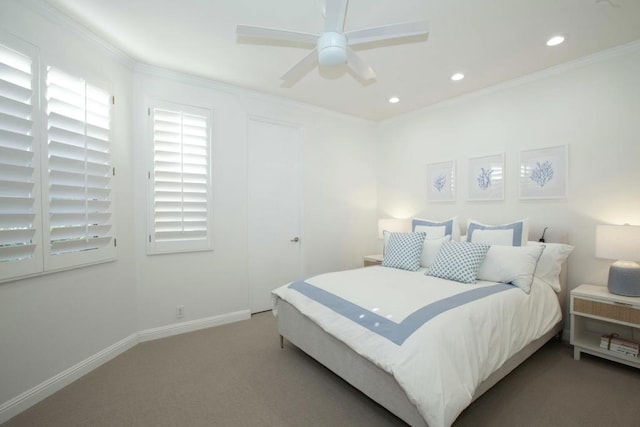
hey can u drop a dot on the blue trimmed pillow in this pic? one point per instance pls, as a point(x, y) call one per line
point(514, 234)
point(403, 250)
point(458, 261)
point(436, 229)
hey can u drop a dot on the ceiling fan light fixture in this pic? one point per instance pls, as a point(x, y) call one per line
point(334, 45)
point(332, 49)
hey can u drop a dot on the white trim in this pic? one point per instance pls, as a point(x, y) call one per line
point(46, 388)
point(584, 61)
point(207, 83)
point(22, 402)
point(192, 325)
point(57, 16)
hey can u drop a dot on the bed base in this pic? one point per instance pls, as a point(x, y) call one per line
point(367, 377)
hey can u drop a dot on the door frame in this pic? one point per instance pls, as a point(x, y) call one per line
point(300, 177)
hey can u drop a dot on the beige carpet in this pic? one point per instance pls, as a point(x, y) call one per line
point(237, 375)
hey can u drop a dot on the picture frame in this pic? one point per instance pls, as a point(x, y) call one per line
point(544, 173)
point(441, 182)
point(486, 178)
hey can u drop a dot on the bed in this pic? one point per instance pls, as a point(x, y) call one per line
point(424, 347)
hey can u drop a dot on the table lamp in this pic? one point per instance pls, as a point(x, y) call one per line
point(622, 243)
point(392, 225)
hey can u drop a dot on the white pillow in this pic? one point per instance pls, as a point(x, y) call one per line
point(550, 263)
point(511, 264)
point(435, 229)
point(513, 234)
point(430, 249)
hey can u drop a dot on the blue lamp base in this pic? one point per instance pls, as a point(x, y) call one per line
point(624, 279)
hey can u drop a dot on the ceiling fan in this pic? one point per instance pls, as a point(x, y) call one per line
point(334, 46)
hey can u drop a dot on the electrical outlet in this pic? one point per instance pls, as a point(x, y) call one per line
point(180, 312)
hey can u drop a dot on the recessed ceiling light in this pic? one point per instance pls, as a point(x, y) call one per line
point(457, 76)
point(394, 100)
point(555, 40)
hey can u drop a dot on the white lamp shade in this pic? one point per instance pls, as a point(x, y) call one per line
point(619, 242)
point(393, 225)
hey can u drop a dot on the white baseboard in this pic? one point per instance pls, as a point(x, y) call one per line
point(45, 389)
point(193, 325)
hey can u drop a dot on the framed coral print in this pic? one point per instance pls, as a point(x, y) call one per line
point(544, 172)
point(485, 178)
point(441, 179)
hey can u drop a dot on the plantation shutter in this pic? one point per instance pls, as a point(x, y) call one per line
point(20, 231)
point(180, 182)
point(80, 222)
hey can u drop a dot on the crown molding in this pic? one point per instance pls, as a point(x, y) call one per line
point(193, 80)
point(57, 16)
point(602, 56)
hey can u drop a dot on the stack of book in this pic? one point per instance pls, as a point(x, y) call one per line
point(619, 345)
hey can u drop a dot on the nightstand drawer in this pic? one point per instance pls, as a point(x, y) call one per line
point(620, 312)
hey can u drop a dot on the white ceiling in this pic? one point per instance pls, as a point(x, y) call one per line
point(490, 41)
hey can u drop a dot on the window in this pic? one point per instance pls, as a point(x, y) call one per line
point(58, 215)
point(78, 227)
point(180, 179)
point(20, 230)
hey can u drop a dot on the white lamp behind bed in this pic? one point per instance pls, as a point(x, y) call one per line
point(393, 225)
point(622, 243)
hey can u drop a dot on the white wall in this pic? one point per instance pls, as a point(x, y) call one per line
point(57, 326)
point(339, 198)
point(593, 105)
point(52, 322)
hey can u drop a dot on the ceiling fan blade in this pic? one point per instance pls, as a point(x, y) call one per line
point(358, 66)
point(335, 11)
point(393, 31)
point(301, 68)
point(273, 34)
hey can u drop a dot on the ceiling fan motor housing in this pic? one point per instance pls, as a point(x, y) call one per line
point(332, 49)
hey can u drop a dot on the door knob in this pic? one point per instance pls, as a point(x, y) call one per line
point(295, 239)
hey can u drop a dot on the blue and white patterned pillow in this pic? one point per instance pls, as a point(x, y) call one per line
point(458, 261)
point(403, 250)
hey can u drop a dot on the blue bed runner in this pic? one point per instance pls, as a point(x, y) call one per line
point(394, 332)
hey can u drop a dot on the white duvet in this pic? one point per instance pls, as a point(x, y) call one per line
point(442, 362)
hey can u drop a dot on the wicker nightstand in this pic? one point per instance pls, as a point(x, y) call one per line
point(596, 312)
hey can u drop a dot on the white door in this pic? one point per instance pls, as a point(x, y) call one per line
point(274, 209)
